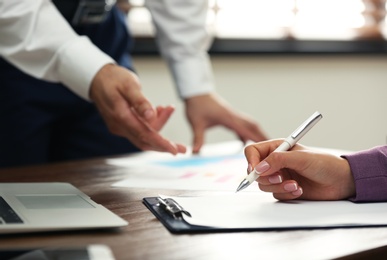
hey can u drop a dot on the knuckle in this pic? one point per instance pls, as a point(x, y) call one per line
point(141, 103)
point(248, 149)
point(116, 130)
point(277, 157)
point(144, 140)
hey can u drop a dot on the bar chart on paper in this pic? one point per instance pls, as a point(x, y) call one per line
point(195, 172)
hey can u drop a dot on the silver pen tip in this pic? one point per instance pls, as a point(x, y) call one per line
point(243, 185)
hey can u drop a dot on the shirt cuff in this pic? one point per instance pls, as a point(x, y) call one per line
point(79, 62)
point(193, 76)
point(368, 169)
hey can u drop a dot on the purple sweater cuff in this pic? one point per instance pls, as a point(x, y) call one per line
point(369, 169)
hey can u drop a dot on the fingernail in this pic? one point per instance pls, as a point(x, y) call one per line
point(298, 192)
point(249, 168)
point(275, 179)
point(148, 113)
point(262, 167)
point(290, 187)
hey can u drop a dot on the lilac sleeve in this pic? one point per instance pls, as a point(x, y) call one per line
point(369, 169)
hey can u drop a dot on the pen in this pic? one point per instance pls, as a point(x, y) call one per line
point(287, 144)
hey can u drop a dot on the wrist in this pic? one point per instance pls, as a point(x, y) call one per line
point(196, 98)
point(349, 188)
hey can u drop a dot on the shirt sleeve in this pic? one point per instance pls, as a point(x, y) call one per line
point(369, 169)
point(183, 41)
point(36, 39)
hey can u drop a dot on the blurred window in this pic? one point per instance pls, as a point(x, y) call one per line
point(283, 19)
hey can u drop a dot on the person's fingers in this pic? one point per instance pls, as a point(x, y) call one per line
point(198, 138)
point(211, 110)
point(297, 194)
point(126, 123)
point(295, 160)
point(116, 92)
point(246, 128)
point(112, 83)
point(254, 132)
point(255, 153)
point(181, 148)
point(163, 115)
point(271, 179)
point(149, 139)
point(131, 91)
point(283, 187)
point(283, 191)
point(144, 136)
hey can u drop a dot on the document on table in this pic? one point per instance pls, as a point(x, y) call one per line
point(219, 167)
point(261, 211)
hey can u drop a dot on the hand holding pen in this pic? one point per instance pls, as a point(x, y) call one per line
point(302, 173)
point(287, 144)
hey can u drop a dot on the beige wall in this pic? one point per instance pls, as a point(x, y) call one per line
point(281, 91)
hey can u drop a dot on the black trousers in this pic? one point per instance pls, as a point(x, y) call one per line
point(42, 122)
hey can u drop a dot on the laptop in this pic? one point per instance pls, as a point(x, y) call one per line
point(41, 207)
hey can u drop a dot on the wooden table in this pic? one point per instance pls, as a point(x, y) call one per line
point(145, 237)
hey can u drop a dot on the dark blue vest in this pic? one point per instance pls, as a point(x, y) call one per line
point(44, 122)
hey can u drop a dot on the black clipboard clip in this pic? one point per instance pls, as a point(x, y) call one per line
point(172, 207)
point(170, 213)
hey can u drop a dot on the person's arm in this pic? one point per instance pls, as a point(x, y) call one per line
point(369, 169)
point(35, 38)
point(183, 41)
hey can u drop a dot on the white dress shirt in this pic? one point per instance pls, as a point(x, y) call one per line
point(35, 38)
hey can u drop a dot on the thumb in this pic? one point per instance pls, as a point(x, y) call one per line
point(137, 100)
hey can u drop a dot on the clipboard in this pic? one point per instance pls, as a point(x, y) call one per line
point(169, 213)
point(275, 215)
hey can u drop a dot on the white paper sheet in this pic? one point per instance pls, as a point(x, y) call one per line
point(219, 167)
point(317, 244)
point(261, 210)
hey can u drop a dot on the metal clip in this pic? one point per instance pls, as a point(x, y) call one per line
point(92, 11)
point(172, 207)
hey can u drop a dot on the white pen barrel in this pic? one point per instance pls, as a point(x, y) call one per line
point(284, 146)
point(252, 176)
